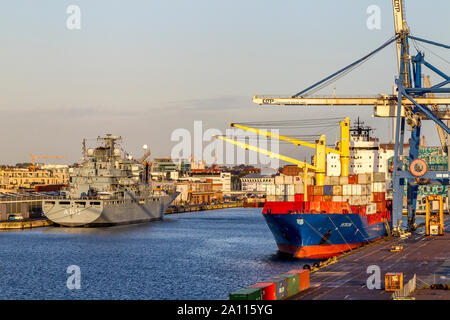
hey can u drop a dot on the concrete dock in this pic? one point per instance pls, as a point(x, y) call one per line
point(24, 224)
point(426, 256)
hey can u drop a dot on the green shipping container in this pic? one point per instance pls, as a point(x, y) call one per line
point(247, 294)
point(293, 283)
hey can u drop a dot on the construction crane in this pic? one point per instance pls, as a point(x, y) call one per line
point(34, 157)
point(343, 152)
point(409, 104)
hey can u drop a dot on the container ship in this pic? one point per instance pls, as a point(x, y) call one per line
point(319, 222)
point(107, 189)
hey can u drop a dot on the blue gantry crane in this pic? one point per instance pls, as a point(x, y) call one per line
point(409, 105)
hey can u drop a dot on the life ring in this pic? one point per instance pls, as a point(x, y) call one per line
point(418, 167)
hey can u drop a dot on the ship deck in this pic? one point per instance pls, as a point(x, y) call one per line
point(426, 256)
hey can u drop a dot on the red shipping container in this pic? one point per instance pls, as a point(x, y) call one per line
point(317, 198)
point(381, 206)
point(299, 197)
point(352, 179)
point(379, 196)
point(310, 190)
point(303, 275)
point(268, 290)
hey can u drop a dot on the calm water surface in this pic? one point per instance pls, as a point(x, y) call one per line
point(201, 255)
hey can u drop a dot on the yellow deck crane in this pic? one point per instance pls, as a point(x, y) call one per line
point(319, 166)
point(305, 166)
point(320, 146)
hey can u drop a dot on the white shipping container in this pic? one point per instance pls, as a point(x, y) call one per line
point(343, 180)
point(371, 208)
point(279, 190)
point(379, 177)
point(336, 199)
point(346, 189)
point(363, 190)
point(279, 179)
point(270, 189)
point(289, 189)
point(355, 200)
point(298, 180)
point(271, 198)
point(369, 178)
point(327, 180)
point(356, 190)
point(379, 187)
point(299, 189)
point(346, 198)
point(334, 181)
point(291, 198)
point(288, 180)
point(365, 200)
point(362, 178)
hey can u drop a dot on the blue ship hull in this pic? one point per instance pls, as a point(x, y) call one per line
point(322, 235)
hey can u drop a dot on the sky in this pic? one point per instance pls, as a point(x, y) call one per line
point(142, 69)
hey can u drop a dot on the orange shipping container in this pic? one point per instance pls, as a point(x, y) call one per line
point(353, 179)
point(318, 198)
point(318, 190)
point(381, 207)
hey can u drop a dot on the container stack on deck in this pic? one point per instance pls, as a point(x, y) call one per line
point(366, 189)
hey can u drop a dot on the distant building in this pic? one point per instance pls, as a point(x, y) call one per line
point(255, 182)
point(15, 179)
point(196, 192)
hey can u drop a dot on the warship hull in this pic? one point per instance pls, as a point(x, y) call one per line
point(102, 213)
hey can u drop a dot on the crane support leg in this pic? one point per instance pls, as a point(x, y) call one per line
point(412, 189)
point(344, 146)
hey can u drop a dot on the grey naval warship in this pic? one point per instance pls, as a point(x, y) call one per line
point(107, 189)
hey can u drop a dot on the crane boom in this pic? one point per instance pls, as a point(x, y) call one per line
point(271, 154)
point(344, 145)
point(441, 133)
point(381, 100)
point(267, 153)
point(399, 27)
point(280, 137)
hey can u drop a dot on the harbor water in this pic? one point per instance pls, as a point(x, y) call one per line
point(196, 255)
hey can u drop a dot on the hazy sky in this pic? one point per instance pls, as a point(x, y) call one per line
point(141, 68)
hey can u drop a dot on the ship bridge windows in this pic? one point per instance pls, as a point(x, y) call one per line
point(95, 203)
point(64, 203)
